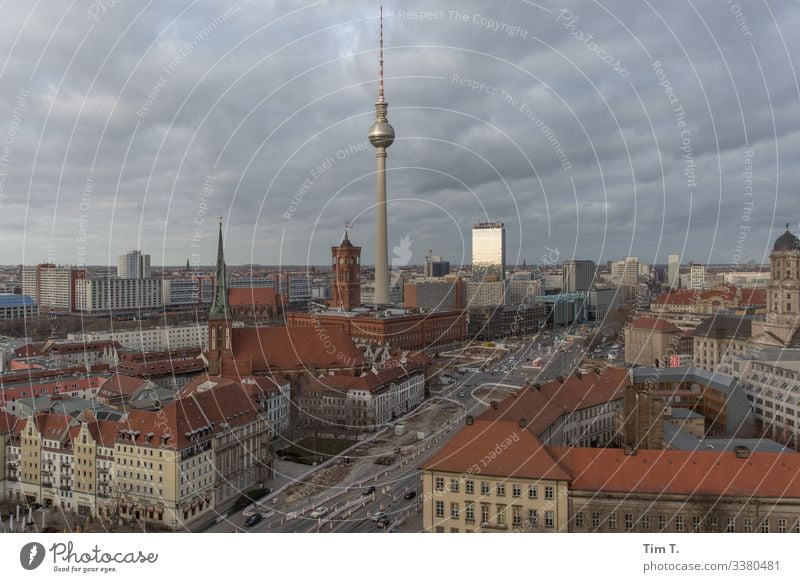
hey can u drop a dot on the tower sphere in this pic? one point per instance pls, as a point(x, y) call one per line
point(381, 134)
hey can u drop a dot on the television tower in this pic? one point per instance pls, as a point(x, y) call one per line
point(381, 136)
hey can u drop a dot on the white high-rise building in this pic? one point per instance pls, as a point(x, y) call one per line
point(52, 287)
point(630, 271)
point(674, 270)
point(133, 265)
point(106, 295)
point(153, 339)
point(697, 274)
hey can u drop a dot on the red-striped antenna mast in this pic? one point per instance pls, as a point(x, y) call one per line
point(380, 86)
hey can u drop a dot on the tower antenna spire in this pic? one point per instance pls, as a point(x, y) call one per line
point(380, 84)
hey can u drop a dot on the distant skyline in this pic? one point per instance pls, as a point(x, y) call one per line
point(592, 133)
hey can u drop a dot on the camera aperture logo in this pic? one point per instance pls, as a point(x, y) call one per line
point(31, 555)
point(67, 559)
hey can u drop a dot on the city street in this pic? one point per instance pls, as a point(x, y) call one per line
point(348, 508)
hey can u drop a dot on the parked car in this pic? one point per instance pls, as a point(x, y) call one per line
point(318, 512)
point(462, 394)
point(253, 519)
point(384, 522)
point(410, 495)
point(368, 491)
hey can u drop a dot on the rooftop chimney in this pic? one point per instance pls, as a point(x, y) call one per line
point(523, 424)
point(469, 420)
point(494, 404)
point(741, 452)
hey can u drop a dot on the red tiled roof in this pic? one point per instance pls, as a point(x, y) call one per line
point(81, 347)
point(369, 381)
point(252, 296)
point(653, 324)
point(687, 296)
point(7, 422)
point(104, 432)
point(160, 367)
point(295, 348)
point(120, 385)
point(541, 407)
point(253, 385)
point(496, 448)
point(28, 351)
point(207, 410)
point(52, 426)
point(754, 297)
point(194, 384)
point(174, 354)
point(681, 472)
point(28, 375)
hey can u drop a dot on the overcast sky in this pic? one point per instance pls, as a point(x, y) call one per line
point(593, 130)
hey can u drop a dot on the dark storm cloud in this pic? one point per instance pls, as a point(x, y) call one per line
point(130, 125)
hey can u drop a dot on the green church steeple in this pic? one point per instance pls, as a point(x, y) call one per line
point(219, 307)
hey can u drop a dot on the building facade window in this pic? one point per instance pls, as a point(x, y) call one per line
point(439, 484)
point(469, 486)
point(484, 513)
point(548, 492)
point(439, 508)
point(612, 520)
point(548, 519)
point(533, 492)
point(501, 514)
point(454, 511)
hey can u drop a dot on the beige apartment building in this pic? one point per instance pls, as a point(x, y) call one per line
point(618, 490)
point(650, 342)
point(172, 468)
point(719, 339)
point(494, 476)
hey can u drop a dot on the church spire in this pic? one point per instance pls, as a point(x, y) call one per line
point(219, 307)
